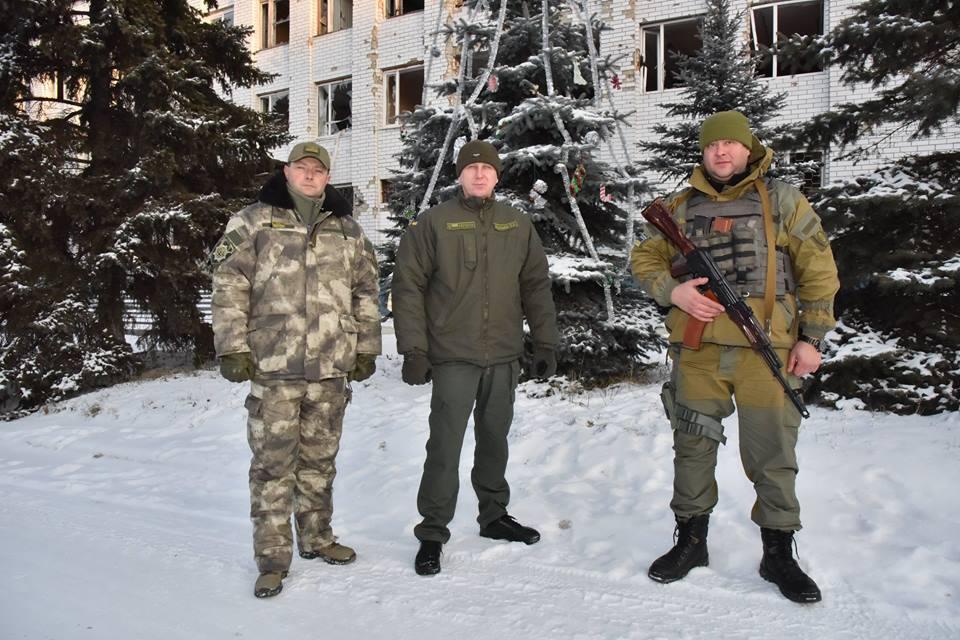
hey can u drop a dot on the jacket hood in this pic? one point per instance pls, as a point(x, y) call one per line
point(275, 193)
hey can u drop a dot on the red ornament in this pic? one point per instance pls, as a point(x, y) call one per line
point(492, 83)
point(615, 81)
point(576, 182)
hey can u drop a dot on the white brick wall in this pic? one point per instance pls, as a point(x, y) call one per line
point(808, 94)
point(364, 154)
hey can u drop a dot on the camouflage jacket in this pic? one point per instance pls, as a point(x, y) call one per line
point(302, 301)
point(804, 306)
point(468, 271)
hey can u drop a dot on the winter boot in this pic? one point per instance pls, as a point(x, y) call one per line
point(507, 528)
point(427, 562)
point(779, 567)
point(269, 584)
point(333, 553)
point(689, 551)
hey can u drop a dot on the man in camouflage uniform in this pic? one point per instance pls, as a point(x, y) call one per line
point(295, 311)
point(770, 245)
point(468, 271)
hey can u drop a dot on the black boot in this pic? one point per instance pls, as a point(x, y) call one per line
point(689, 551)
point(427, 562)
point(506, 528)
point(779, 567)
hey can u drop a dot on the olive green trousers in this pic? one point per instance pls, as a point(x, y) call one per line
point(458, 389)
point(703, 387)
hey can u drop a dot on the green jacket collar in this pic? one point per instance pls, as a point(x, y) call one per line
point(307, 208)
point(473, 203)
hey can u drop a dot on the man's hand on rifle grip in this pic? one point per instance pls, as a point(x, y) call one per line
point(687, 296)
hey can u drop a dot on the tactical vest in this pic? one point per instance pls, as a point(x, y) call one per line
point(732, 232)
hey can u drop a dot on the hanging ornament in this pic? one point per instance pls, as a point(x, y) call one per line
point(615, 81)
point(604, 196)
point(536, 194)
point(577, 75)
point(492, 83)
point(457, 144)
point(576, 180)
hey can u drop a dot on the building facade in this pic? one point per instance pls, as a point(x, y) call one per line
point(345, 69)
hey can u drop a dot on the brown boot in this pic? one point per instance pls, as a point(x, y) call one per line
point(333, 553)
point(269, 584)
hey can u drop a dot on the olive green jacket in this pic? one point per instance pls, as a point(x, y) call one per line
point(798, 231)
point(467, 273)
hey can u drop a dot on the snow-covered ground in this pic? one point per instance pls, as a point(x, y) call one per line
point(123, 515)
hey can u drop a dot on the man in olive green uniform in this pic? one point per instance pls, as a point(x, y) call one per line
point(295, 311)
point(468, 271)
point(771, 247)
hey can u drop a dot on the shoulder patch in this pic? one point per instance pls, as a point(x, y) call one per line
point(461, 226)
point(225, 248)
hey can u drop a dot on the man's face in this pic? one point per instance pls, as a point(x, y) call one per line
point(478, 180)
point(724, 159)
point(308, 176)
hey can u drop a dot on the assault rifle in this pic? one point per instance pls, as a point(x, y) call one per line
point(701, 265)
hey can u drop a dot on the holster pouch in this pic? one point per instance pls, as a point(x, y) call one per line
point(689, 421)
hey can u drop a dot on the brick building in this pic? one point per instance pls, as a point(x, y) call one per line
point(346, 68)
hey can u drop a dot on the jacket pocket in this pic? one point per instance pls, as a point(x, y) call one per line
point(346, 358)
point(264, 335)
point(788, 307)
point(468, 242)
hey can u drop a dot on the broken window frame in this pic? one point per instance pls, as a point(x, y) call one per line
point(662, 52)
point(769, 66)
point(274, 29)
point(392, 97)
point(276, 103)
point(331, 16)
point(327, 125)
point(394, 8)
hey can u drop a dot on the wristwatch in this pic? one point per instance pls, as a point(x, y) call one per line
point(815, 342)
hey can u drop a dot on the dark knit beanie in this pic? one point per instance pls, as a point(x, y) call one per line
point(478, 151)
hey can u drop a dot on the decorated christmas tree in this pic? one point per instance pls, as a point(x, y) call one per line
point(537, 101)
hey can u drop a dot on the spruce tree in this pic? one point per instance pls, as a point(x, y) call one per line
point(894, 230)
point(516, 114)
point(720, 77)
point(120, 164)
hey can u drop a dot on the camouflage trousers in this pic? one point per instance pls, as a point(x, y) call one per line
point(293, 428)
point(700, 394)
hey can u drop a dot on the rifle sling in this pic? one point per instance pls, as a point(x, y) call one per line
point(770, 285)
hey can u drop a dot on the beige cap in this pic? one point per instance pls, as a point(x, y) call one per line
point(310, 150)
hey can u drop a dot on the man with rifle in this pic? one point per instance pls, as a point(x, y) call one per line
point(770, 303)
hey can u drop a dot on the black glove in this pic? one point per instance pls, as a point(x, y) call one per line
point(416, 368)
point(237, 367)
point(544, 362)
point(364, 368)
